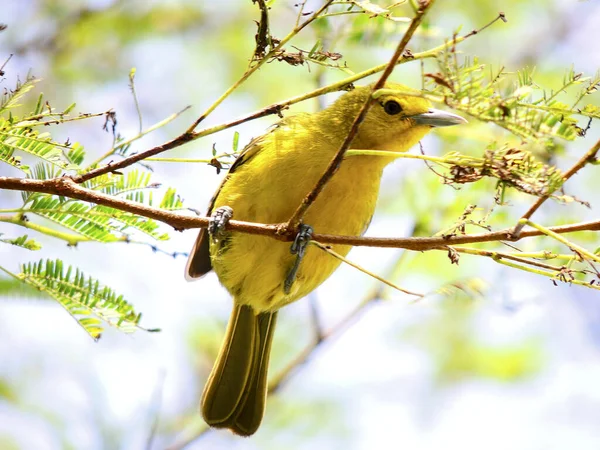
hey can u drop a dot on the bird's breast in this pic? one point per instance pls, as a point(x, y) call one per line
point(253, 268)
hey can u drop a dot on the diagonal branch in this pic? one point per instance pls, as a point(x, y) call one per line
point(275, 108)
point(259, 64)
point(588, 157)
point(113, 167)
point(337, 159)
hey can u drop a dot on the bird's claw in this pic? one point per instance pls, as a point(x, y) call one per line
point(297, 248)
point(218, 221)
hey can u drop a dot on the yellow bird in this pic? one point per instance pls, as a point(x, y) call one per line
point(266, 184)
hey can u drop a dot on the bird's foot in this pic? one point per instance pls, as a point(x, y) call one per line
point(298, 248)
point(218, 221)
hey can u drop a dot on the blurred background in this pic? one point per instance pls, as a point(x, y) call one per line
point(493, 358)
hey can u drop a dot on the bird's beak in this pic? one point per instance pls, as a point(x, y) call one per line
point(438, 118)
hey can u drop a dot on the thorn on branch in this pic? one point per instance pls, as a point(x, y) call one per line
point(111, 117)
point(501, 16)
point(276, 109)
point(439, 79)
point(453, 256)
point(583, 131)
point(214, 162)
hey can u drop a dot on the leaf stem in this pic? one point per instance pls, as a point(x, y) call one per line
point(18, 219)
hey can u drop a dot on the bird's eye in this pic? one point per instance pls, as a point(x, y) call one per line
point(392, 107)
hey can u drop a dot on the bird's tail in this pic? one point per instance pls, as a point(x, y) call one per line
point(236, 390)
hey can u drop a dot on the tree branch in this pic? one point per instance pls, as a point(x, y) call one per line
point(337, 159)
point(263, 60)
point(588, 157)
point(275, 108)
point(113, 167)
point(67, 187)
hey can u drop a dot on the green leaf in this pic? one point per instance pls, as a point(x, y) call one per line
point(89, 303)
point(76, 154)
point(7, 156)
point(31, 141)
point(591, 111)
point(128, 220)
point(514, 102)
point(15, 288)
point(23, 242)
point(171, 200)
point(132, 185)
point(236, 141)
point(10, 98)
point(75, 216)
point(97, 223)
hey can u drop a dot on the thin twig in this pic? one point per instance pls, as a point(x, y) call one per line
point(501, 16)
point(135, 100)
point(574, 247)
point(114, 167)
point(327, 249)
point(275, 108)
point(21, 220)
point(259, 64)
point(550, 275)
point(263, 37)
point(501, 255)
point(588, 157)
point(140, 135)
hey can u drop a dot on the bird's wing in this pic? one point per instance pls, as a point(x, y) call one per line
point(199, 263)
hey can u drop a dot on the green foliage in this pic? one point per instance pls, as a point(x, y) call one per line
point(10, 98)
point(512, 167)
point(88, 302)
point(30, 141)
point(12, 287)
point(82, 297)
point(131, 185)
point(22, 241)
point(513, 101)
point(19, 134)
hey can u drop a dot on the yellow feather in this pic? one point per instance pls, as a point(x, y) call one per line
point(266, 185)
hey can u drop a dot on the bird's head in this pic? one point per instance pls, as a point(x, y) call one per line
point(396, 121)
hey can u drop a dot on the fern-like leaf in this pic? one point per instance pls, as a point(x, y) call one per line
point(85, 299)
point(521, 107)
point(97, 223)
point(171, 201)
point(22, 241)
point(10, 98)
point(7, 156)
point(33, 142)
point(73, 215)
